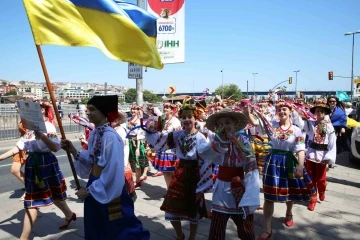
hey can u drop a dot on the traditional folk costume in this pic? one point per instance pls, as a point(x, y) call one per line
point(237, 188)
point(21, 156)
point(129, 181)
point(44, 181)
point(137, 137)
point(190, 175)
point(322, 146)
point(109, 209)
point(166, 161)
point(279, 182)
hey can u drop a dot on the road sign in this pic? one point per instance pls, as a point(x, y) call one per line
point(172, 90)
point(134, 71)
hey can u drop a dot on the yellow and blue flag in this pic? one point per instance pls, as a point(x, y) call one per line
point(122, 31)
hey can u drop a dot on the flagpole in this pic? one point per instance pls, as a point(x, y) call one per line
point(53, 100)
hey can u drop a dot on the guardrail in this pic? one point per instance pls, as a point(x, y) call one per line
point(9, 126)
point(9, 120)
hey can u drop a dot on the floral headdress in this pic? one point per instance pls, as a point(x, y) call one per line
point(171, 105)
point(282, 103)
point(188, 109)
point(321, 103)
point(136, 107)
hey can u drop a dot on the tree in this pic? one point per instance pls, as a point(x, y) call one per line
point(85, 100)
point(89, 90)
point(130, 95)
point(11, 92)
point(151, 97)
point(230, 90)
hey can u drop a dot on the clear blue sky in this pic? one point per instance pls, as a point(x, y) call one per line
point(270, 37)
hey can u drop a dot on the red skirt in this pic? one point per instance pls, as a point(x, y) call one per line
point(129, 182)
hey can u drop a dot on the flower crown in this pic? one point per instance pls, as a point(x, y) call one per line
point(282, 103)
point(136, 107)
point(188, 108)
point(321, 102)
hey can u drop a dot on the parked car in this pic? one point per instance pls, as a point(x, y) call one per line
point(354, 144)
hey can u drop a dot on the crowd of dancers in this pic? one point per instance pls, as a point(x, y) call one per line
point(224, 147)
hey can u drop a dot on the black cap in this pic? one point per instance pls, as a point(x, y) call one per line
point(201, 104)
point(105, 104)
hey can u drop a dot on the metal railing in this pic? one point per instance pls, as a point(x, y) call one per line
point(9, 119)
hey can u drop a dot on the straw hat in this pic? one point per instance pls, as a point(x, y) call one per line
point(321, 103)
point(240, 119)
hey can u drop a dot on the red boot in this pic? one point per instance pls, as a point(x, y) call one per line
point(311, 205)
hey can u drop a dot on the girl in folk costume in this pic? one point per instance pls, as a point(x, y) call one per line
point(116, 120)
point(285, 178)
point(44, 182)
point(19, 158)
point(108, 208)
point(237, 188)
point(137, 156)
point(321, 149)
point(166, 161)
point(88, 127)
point(184, 199)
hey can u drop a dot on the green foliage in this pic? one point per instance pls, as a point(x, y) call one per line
point(11, 92)
point(89, 90)
point(130, 95)
point(84, 100)
point(151, 97)
point(230, 90)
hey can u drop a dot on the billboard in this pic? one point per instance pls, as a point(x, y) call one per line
point(356, 92)
point(170, 40)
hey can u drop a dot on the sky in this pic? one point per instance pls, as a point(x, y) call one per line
point(270, 37)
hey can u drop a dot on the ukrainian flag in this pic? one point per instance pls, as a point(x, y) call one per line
point(122, 31)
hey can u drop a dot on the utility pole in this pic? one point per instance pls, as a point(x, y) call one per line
point(247, 88)
point(105, 88)
point(139, 82)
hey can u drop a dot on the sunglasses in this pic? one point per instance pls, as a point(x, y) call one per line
point(332, 101)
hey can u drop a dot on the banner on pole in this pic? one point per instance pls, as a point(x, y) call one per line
point(170, 40)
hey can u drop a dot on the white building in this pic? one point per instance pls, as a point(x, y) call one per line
point(102, 93)
point(74, 93)
point(36, 90)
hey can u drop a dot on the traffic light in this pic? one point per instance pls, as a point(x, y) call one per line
point(290, 80)
point(331, 76)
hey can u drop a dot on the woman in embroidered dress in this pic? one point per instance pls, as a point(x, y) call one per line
point(137, 155)
point(18, 158)
point(184, 199)
point(108, 208)
point(116, 120)
point(321, 150)
point(165, 161)
point(285, 178)
point(44, 182)
point(237, 188)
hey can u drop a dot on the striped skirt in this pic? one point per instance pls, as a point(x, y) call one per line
point(165, 161)
point(278, 187)
point(44, 181)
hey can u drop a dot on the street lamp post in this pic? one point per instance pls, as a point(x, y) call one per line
point(352, 61)
point(254, 85)
point(296, 72)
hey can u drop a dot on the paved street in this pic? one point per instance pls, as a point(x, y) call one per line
point(338, 217)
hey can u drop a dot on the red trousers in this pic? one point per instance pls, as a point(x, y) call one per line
point(245, 227)
point(317, 173)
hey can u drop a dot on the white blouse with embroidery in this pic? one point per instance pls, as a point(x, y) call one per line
point(230, 156)
point(323, 133)
point(30, 144)
point(107, 151)
point(291, 139)
point(188, 147)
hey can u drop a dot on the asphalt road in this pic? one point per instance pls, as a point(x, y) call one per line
point(9, 183)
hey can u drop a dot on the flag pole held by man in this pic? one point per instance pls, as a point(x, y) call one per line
point(122, 31)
